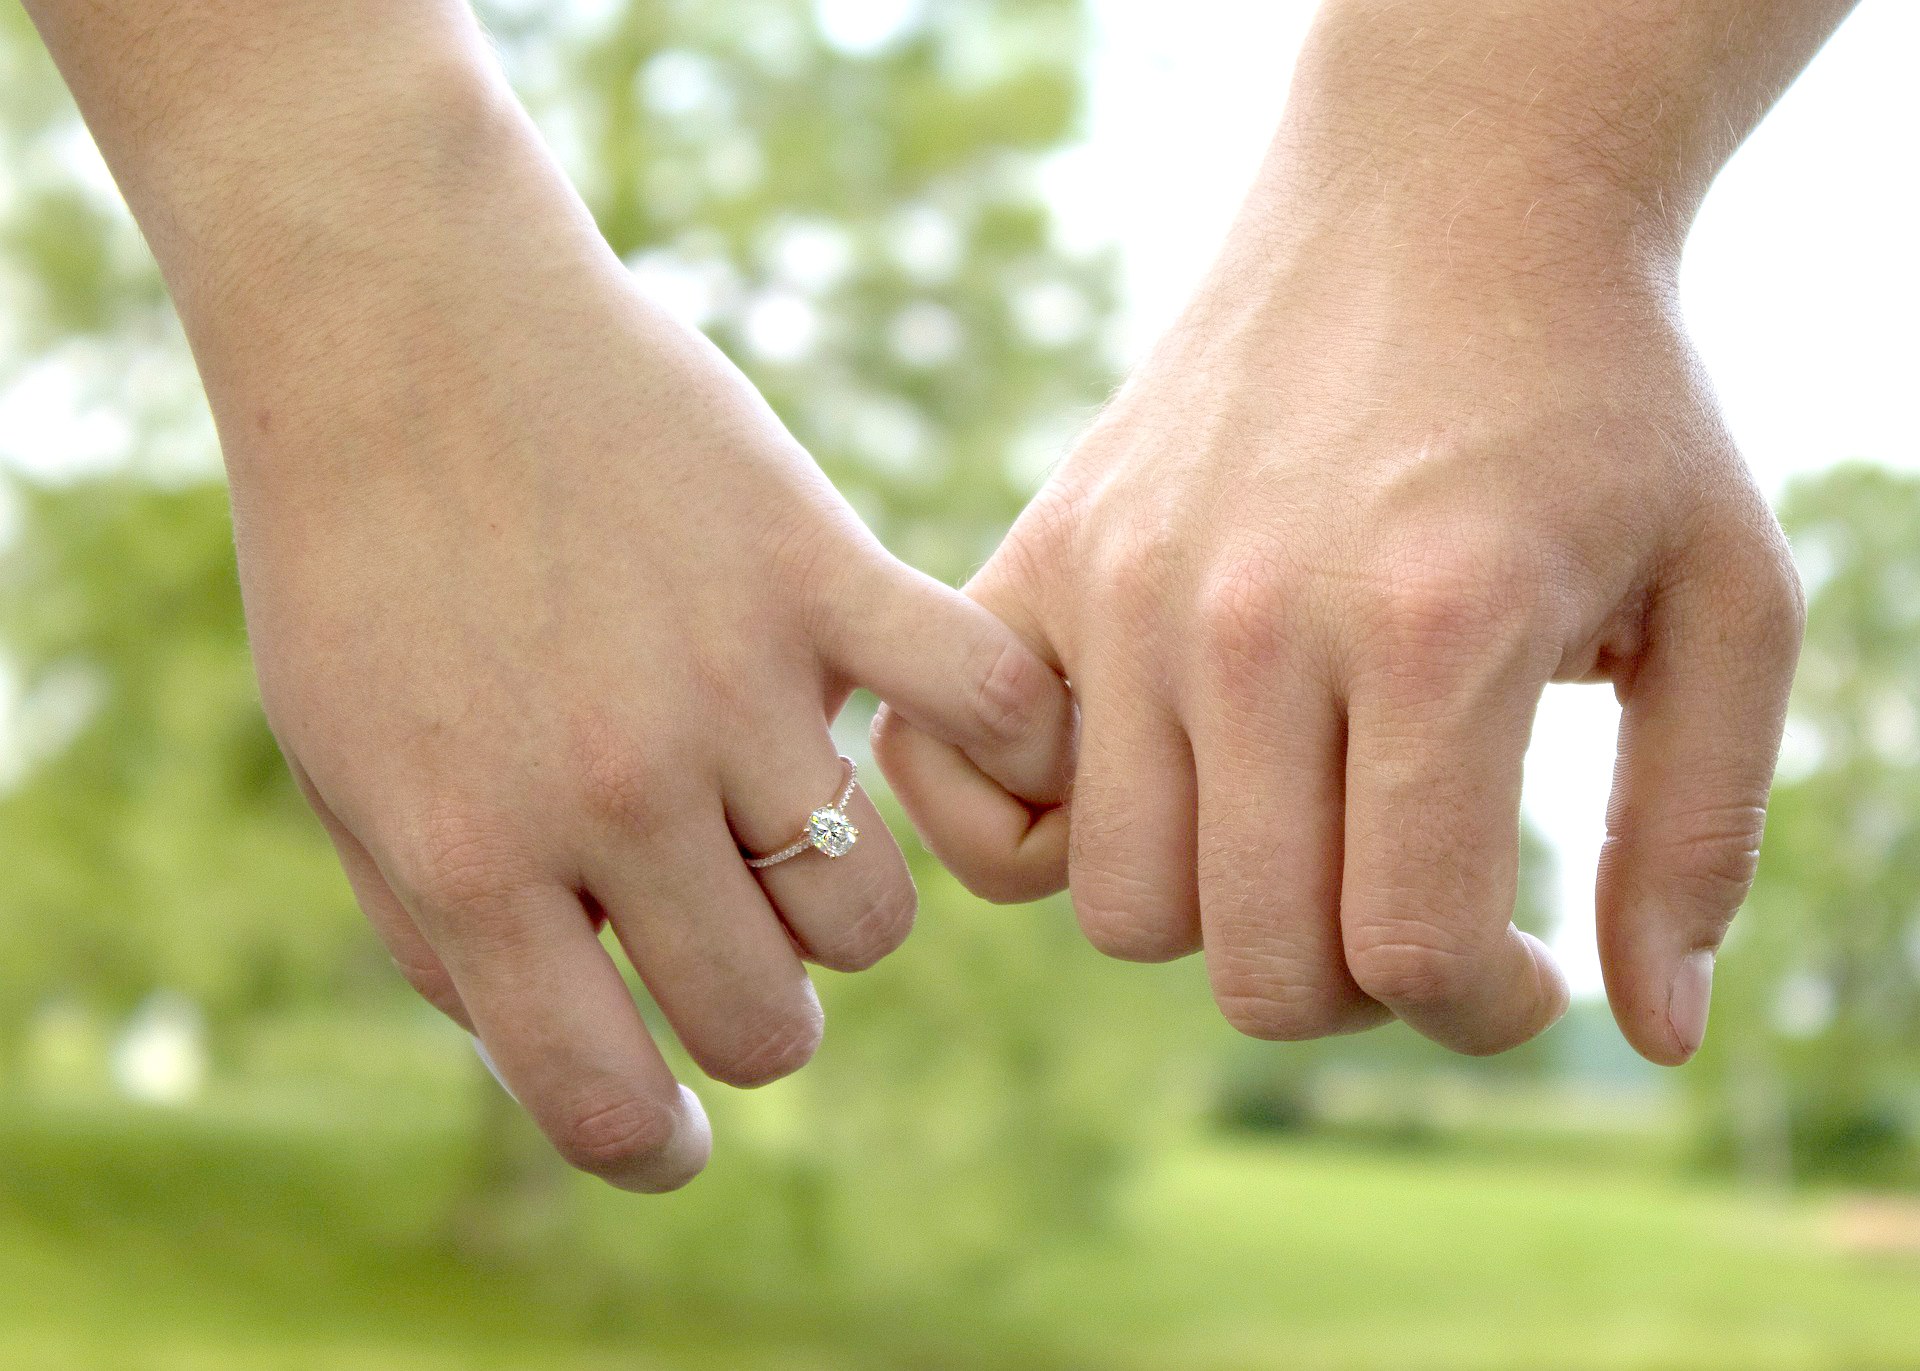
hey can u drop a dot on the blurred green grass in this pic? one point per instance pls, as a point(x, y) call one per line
point(276, 1233)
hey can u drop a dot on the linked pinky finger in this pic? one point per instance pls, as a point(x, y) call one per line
point(999, 848)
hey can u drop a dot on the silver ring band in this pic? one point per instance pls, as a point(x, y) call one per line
point(828, 831)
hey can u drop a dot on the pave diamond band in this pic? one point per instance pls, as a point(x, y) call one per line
point(828, 831)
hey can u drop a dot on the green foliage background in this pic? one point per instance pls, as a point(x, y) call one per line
point(1010, 1152)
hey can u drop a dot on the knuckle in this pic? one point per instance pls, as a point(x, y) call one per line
point(621, 784)
point(1241, 616)
point(609, 1136)
point(1046, 532)
point(1131, 566)
point(771, 1046)
point(1745, 591)
point(1130, 597)
point(1409, 965)
point(1042, 540)
point(1007, 693)
point(1132, 930)
point(1002, 880)
point(1450, 603)
point(1794, 592)
point(1711, 857)
point(879, 915)
point(1775, 604)
point(1267, 985)
point(1123, 910)
point(458, 860)
point(1276, 1014)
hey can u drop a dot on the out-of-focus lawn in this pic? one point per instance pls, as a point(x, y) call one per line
point(1304, 1257)
point(140, 1241)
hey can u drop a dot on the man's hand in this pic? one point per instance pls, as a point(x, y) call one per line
point(1429, 438)
point(551, 614)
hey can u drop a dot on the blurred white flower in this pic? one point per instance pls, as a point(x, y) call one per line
point(925, 334)
point(890, 434)
point(1804, 1006)
point(862, 27)
point(694, 290)
point(781, 326)
point(1892, 726)
point(926, 244)
point(734, 164)
point(812, 255)
point(1052, 313)
point(679, 83)
point(161, 1055)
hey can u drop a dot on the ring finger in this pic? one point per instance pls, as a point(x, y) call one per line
point(845, 912)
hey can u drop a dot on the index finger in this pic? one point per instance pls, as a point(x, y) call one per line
point(956, 672)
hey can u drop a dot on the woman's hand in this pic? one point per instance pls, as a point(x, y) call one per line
point(551, 617)
point(550, 612)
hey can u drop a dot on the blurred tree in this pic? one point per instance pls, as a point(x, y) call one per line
point(1812, 1064)
point(155, 840)
point(147, 831)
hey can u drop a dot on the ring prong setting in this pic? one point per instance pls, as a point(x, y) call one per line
point(828, 831)
point(831, 832)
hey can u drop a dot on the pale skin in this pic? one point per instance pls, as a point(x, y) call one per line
point(551, 614)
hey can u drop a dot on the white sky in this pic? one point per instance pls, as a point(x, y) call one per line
point(1801, 284)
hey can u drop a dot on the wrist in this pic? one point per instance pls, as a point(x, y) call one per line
point(341, 270)
point(319, 167)
point(214, 117)
point(1579, 139)
point(322, 204)
point(1417, 262)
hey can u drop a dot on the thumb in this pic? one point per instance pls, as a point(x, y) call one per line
point(975, 733)
point(1699, 734)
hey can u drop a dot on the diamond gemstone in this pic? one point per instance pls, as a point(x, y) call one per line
point(831, 832)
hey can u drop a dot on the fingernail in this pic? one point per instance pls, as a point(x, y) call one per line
point(686, 1154)
point(1688, 1000)
point(696, 1126)
point(486, 1060)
